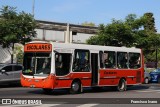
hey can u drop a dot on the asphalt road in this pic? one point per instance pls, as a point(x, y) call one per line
point(146, 95)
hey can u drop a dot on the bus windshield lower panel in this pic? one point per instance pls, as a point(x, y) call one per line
point(37, 63)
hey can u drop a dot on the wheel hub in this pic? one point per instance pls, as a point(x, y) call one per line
point(75, 86)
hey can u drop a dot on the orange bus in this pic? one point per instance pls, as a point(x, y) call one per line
point(51, 65)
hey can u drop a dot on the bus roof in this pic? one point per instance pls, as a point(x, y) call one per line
point(56, 45)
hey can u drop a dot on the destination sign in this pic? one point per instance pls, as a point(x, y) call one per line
point(40, 47)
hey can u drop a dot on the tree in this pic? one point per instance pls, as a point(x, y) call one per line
point(131, 32)
point(149, 22)
point(154, 37)
point(15, 27)
point(88, 24)
point(118, 33)
point(18, 51)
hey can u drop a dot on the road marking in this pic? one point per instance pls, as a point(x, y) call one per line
point(149, 91)
point(48, 105)
point(87, 105)
point(28, 105)
point(19, 105)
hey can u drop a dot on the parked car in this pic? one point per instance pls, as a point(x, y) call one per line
point(10, 73)
point(155, 75)
point(147, 77)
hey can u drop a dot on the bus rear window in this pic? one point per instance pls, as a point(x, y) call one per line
point(134, 60)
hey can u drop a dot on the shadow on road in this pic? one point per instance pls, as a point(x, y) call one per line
point(54, 92)
point(58, 92)
point(138, 87)
point(10, 85)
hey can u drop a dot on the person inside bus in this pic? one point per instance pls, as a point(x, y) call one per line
point(86, 66)
point(134, 62)
point(47, 66)
point(58, 61)
point(59, 64)
point(122, 61)
point(107, 63)
point(131, 62)
point(76, 65)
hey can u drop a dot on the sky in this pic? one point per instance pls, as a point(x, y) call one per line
point(79, 11)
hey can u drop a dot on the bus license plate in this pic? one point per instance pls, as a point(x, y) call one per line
point(32, 86)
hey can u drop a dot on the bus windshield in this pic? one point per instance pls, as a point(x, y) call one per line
point(37, 63)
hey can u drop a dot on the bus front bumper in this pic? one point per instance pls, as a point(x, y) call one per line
point(47, 82)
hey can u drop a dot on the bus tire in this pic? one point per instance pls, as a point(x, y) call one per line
point(75, 87)
point(122, 85)
point(47, 91)
point(158, 80)
point(146, 81)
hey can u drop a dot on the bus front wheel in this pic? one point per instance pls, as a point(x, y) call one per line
point(75, 87)
point(122, 85)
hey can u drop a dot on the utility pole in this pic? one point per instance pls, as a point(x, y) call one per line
point(33, 6)
point(156, 58)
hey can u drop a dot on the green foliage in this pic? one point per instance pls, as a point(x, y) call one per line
point(18, 51)
point(131, 32)
point(150, 24)
point(15, 27)
point(88, 24)
point(116, 34)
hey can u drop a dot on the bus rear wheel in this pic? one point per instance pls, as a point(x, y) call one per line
point(122, 85)
point(75, 87)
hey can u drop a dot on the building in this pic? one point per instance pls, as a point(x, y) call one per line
point(55, 31)
point(64, 32)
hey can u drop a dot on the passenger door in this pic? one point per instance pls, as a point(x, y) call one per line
point(6, 73)
point(94, 64)
point(17, 69)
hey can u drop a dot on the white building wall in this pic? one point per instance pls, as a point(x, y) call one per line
point(81, 37)
point(54, 35)
point(39, 34)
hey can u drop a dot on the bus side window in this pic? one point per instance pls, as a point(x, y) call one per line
point(134, 60)
point(81, 61)
point(109, 59)
point(62, 63)
point(122, 60)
